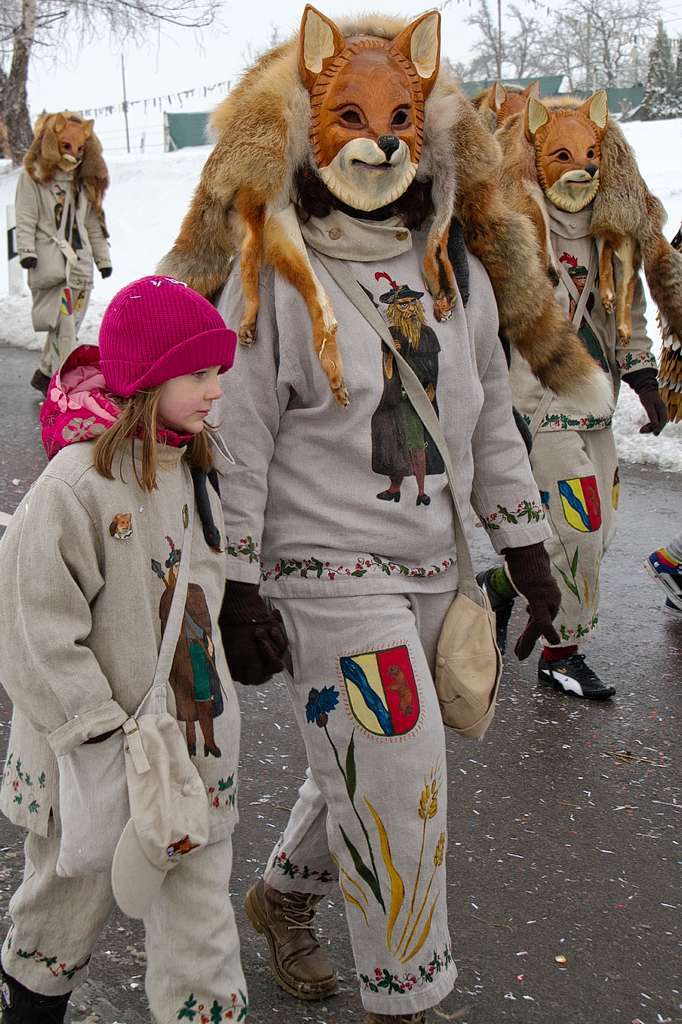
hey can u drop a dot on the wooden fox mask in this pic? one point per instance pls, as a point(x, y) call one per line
point(503, 101)
point(567, 145)
point(367, 105)
point(61, 139)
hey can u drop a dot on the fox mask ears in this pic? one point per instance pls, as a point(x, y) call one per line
point(595, 109)
point(498, 95)
point(532, 90)
point(419, 42)
point(321, 40)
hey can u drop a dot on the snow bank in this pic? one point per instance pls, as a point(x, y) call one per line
point(150, 194)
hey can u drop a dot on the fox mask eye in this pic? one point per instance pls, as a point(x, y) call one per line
point(401, 118)
point(352, 117)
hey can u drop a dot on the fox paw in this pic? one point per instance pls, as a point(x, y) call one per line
point(341, 395)
point(553, 275)
point(608, 301)
point(442, 308)
point(247, 333)
point(624, 334)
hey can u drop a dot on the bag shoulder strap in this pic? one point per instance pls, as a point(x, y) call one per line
point(541, 411)
point(154, 699)
point(339, 271)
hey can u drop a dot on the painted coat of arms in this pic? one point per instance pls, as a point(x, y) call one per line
point(581, 503)
point(382, 690)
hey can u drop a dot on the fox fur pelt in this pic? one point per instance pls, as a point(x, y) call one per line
point(43, 156)
point(262, 137)
point(623, 206)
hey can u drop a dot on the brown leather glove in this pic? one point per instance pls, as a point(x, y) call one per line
point(530, 572)
point(645, 385)
point(254, 637)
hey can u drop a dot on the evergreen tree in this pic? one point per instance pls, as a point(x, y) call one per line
point(661, 98)
point(678, 75)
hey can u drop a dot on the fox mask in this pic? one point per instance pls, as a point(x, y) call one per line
point(568, 149)
point(64, 137)
point(367, 105)
point(505, 100)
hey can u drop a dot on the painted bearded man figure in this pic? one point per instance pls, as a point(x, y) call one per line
point(371, 153)
point(401, 446)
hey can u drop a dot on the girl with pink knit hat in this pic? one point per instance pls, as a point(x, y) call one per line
point(112, 575)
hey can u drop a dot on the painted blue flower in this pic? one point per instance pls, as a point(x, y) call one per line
point(319, 703)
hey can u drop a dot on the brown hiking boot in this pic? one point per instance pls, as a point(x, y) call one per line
point(286, 919)
point(404, 1018)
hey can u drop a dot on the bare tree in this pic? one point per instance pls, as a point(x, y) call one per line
point(523, 47)
point(600, 42)
point(516, 50)
point(28, 27)
point(592, 43)
point(252, 52)
point(488, 54)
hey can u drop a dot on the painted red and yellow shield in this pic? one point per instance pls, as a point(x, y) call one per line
point(382, 690)
point(581, 503)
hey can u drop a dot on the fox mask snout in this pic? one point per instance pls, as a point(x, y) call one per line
point(568, 149)
point(367, 98)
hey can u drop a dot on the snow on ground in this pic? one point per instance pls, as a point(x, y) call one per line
point(149, 196)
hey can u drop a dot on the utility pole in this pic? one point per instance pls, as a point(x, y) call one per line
point(499, 40)
point(588, 42)
point(125, 102)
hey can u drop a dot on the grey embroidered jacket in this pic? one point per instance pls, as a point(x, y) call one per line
point(82, 594)
point(356, 499)
point(575, 253)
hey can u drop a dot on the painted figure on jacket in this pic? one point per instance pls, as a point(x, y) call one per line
point(401, 446)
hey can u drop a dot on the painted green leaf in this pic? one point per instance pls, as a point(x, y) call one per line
point(569, 583)
point(367, 876)
point(351, 772)
point(574, 563)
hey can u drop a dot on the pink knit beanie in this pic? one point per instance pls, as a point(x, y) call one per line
point(157, 328)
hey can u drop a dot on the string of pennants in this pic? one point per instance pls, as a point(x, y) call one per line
point(158, 102)
point(168, 99)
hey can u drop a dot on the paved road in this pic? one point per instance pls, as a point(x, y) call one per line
point(564, 826)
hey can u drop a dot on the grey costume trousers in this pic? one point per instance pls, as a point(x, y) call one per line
point(371, 816)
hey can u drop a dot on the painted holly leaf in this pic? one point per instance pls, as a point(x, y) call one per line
point(188, 1010)
point(33, 807)
point(244, 1007)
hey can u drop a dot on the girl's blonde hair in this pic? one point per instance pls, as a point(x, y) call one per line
point(139, 421)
